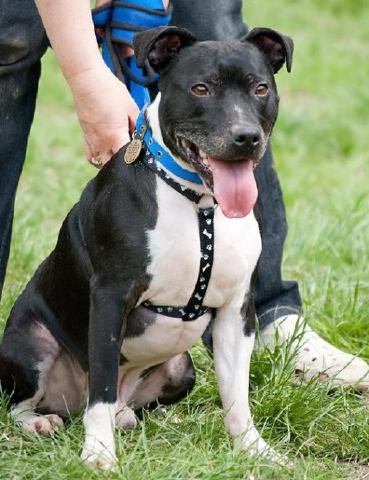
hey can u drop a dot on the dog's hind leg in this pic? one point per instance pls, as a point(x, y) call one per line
point(27, 353)
point(128, 379)
point(166, 383)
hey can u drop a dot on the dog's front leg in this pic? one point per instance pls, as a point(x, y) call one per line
point(107, 314)
point(233, 341)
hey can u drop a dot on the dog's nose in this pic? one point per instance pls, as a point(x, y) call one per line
point(243, 136)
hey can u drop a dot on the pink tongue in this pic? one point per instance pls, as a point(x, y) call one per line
point(234, 186)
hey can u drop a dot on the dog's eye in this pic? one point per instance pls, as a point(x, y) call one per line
point(262, 90)
point(200, 90)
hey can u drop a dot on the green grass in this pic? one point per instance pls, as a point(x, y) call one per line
point(320, 146)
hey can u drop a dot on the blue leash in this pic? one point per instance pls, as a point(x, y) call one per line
point(120, 22)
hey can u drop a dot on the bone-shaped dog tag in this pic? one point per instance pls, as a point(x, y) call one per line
point(132, 151)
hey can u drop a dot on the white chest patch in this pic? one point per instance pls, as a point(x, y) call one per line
point(174, 247)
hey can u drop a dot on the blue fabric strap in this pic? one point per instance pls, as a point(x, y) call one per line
point(164, 158)
point(120, 22)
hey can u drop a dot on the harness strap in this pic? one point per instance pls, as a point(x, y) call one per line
point(120, 21)
point(206, 229)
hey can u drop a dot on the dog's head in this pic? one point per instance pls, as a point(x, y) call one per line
point(218, 104)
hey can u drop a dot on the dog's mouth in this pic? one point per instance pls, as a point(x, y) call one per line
point(232, 181)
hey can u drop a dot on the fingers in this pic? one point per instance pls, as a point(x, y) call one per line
point(96, 159)
point(100, 150)
point(124, 138)
point(98, 153)
point(120, 140)
point(93, 159)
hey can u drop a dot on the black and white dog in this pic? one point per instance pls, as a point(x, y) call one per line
point(95, 324)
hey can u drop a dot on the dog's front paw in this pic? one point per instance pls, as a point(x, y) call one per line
point(99, 447)
point(95, 454)
point(252, 442)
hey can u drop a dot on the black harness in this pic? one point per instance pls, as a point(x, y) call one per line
point(194, 308)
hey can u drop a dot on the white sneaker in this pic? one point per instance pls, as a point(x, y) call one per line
point(315, 357)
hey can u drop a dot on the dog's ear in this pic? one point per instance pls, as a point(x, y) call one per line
point(276, 47)
point(160, 45)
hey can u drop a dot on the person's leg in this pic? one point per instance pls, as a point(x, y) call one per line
point(274, 297)
point(278, 303)
point(22, 42)
point(210, 19)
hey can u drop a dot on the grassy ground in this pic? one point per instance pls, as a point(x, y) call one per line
point(320, 146)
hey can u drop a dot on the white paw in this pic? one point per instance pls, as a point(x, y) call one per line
point(98, 455)
point(99, 446)
point(262, 448)
point(41, 424)
point(254, 444)
point(126, 418)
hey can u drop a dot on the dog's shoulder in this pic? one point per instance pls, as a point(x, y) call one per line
point(115, 211)
point(121, 186)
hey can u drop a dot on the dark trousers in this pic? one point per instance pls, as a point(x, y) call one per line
point(23, 42)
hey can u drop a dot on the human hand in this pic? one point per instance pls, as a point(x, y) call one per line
point(106, 112)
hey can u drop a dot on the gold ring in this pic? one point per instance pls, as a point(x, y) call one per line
point(96, 161)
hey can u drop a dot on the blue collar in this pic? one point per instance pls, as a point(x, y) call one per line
point(163, 157)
